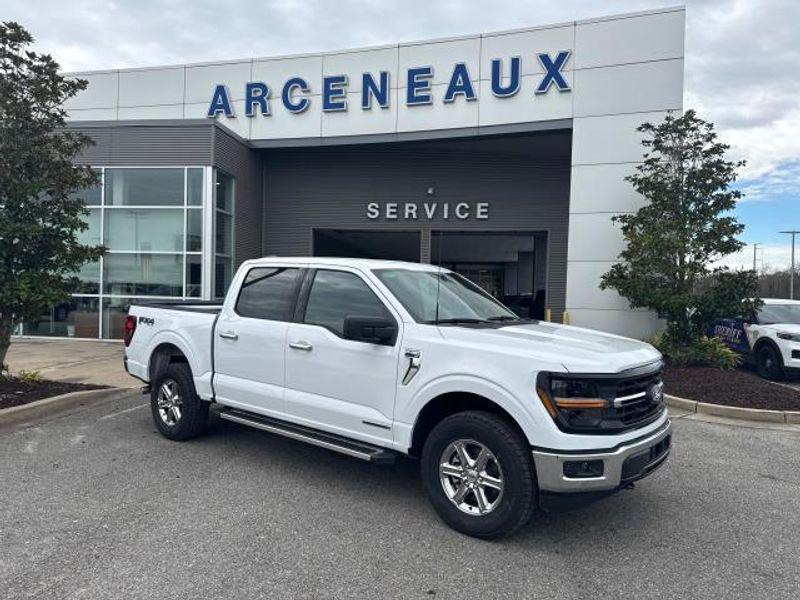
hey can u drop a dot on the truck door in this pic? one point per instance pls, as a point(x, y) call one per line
point(334, 384)
point(250, 339)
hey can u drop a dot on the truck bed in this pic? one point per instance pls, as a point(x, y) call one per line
point(184, 324)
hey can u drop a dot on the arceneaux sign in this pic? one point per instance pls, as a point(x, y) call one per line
point(295, 93)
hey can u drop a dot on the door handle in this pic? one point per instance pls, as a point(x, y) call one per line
point(228, 335)
point(304, 346)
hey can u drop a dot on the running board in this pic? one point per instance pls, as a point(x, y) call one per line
point(337, 443)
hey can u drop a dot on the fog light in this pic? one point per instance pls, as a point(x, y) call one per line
point(580, 469)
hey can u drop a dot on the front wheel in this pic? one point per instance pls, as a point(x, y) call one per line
point(478, 472)
point(179, 414)
point(769, 363)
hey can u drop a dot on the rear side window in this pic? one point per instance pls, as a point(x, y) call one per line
point(335, 295)
point(268, 293)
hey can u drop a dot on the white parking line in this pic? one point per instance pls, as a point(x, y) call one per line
point(122, 412)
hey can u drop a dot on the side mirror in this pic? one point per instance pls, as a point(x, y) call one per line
point(373, 330)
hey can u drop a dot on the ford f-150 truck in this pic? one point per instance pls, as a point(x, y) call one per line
point(375, 359)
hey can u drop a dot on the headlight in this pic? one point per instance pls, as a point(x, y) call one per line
point(792, 337)
point(575, 393)
point(577, 401)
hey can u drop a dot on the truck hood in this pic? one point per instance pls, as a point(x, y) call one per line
point(576, 349)
point(787, 327)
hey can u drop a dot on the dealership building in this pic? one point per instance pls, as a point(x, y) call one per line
point(501, 156)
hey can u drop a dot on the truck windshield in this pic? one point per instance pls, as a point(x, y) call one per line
point(459, 300)
point(771, 314)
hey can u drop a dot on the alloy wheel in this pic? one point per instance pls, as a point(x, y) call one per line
point(471, 477)
point(169, 402)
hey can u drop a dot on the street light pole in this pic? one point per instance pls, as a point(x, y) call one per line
point(793, 233)
point(755, 249)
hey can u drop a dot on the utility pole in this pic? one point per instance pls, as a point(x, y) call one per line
point(755, 249)
point(793, 233)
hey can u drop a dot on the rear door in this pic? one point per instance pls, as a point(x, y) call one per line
point(250, 339)
point(342, 386)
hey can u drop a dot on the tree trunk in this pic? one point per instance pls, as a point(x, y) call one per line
point(6, 328)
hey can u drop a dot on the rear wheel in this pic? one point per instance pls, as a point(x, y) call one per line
point(179, 414)
point(769, 363)
point(479, 475)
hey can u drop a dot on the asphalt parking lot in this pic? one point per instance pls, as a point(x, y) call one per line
point(95, 504)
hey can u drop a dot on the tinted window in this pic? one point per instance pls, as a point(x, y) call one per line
point(335, 295)
point(267, 293)
point(779, 313)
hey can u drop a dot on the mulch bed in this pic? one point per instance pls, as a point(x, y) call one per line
point(14, 392)
point(740, 388)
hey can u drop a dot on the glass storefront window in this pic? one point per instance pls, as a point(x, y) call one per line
point(144, 229)
point(90, 236)
point(89, 274)
point(224, 234)
point(194, 187)
point(194, 230)
point(78, 317)
point(194, 275)
point(222, 276)
point(224, 192)
point(224, 203)
point(114, 312)
point(91, 196)
point(144, 187)
point(151, 220)
point(151, 274)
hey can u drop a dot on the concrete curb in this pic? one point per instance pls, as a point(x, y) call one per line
point(734, 412)
point(57, 404)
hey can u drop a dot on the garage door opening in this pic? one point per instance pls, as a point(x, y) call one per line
point(511, 266)
point(385, 245)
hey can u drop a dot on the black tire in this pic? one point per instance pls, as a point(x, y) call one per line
point(511, 454)
point(769, 363)
point(192, 418)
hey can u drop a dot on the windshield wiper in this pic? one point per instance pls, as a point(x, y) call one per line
point(456, 321)
point(503, 318)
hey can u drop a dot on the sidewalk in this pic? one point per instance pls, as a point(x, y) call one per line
point(77, 361)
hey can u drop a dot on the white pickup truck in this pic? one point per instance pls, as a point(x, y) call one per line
point(377, 358)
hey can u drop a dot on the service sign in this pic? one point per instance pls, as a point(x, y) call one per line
point(294, 94)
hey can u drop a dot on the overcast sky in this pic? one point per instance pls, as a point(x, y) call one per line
point(742, 60)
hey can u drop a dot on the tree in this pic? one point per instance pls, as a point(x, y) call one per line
point(687, 225)
point(40, 211)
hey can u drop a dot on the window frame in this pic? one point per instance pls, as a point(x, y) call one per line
point(305, 293)
point(291, 309)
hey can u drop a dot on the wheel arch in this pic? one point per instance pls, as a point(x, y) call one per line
point(450, 403)
point(766, 341)
point(163, 355)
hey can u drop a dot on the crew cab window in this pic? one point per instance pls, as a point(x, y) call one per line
point(268, 293)
point(335, 295)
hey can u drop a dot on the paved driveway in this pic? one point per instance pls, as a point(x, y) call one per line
point(78, 361)
point(95, 504)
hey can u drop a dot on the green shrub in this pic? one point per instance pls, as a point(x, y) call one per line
point(5, 370)
point(29, 376)
point(701, 352)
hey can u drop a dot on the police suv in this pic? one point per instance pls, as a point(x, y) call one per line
point(770, 339)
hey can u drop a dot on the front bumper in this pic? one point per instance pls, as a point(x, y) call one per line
point(624, 464)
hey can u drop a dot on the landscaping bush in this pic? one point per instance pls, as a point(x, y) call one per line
point(702, 352)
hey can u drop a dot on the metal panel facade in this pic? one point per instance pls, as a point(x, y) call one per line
point(330, 188)
point(617, 72)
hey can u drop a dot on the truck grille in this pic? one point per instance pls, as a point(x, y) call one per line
point(633, 399)
point(637, 399)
